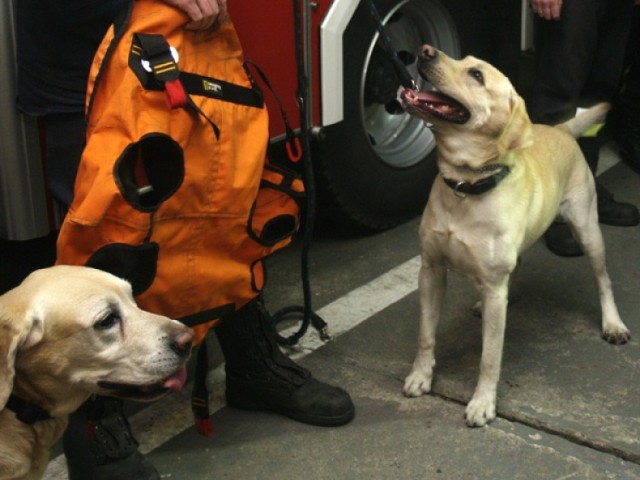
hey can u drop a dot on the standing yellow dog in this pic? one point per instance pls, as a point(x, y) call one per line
point(502, 181)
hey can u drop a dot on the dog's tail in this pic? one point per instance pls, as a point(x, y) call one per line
point(585, 119)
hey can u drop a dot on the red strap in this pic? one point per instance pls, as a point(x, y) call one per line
point(176, 94)
point(296, 155)
point(204, 426)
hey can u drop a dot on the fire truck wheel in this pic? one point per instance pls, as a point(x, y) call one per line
point(375, 168)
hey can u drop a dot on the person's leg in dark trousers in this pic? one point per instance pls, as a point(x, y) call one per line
point(623, 121)
point(64, 142)
point(577, 62)
point(564, 51)
point(498, 28)
point(603, 83)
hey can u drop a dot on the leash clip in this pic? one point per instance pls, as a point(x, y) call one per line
point(324, 334)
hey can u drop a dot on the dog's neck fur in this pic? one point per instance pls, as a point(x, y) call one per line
point(470, 157)
point(474, 162)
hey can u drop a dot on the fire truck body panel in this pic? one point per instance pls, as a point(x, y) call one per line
point(374, 164)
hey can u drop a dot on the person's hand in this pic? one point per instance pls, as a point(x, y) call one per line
point(547, 9)
point(202, 14)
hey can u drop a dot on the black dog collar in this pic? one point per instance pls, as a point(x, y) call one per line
point(26, 412)
point(462, 188)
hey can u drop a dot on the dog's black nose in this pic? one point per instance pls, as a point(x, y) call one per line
point(427, 52)
point(181, 344)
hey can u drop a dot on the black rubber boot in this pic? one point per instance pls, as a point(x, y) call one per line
point(99, 445)
point(612, 212)
point(590, 147)
point(560, 241)
point(623, 125)
point(261, 377)
point(559, 238)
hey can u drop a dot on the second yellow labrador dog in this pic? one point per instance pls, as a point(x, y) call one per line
point(502, 182)
point(68, 332)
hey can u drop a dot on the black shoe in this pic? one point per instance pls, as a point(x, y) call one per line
point(260, 377)
point(614, 213)
point(623, 125)
point(99, 445)
point(560, 241)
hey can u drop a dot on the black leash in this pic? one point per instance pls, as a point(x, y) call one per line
point(406, 80)
point(308, 315)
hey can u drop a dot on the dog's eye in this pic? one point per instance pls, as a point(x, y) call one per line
point(477, 74)
point(109, 321)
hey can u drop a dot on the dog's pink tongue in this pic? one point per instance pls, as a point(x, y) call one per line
point(414, 96)
point(176, 381)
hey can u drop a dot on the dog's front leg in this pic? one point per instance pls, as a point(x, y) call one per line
point(431, 287)
point(482, 407)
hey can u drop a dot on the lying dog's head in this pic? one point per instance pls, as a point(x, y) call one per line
point(67, 332)
point(470, 97)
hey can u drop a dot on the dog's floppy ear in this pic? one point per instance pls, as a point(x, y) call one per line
point(20, 327)
point(518, 132)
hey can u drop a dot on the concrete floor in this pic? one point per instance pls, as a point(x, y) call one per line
point(568, 402)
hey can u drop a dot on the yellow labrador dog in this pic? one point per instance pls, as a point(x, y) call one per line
point(66, 333)
point(502, 182)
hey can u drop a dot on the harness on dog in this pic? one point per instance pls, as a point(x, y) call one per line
point(462, 188)
point(26, 412)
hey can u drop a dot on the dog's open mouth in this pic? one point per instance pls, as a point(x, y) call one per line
point(436, 104)
point(173, 382)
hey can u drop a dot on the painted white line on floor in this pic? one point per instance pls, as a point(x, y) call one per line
point(362, 303)
point(165, 419)
point(169, 417)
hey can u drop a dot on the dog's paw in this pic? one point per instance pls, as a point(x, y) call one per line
point(416, 384)
point(616, 336)
point(480, 411)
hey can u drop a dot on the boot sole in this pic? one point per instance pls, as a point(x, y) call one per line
point(336, 421)
point(241, 402)
point(617, 222)
point(565, 253)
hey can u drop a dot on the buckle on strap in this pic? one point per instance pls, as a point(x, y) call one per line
point(157, 56)
point(161, 60)
point(458, 186)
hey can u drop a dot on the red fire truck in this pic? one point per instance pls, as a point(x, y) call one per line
point(373, 163)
